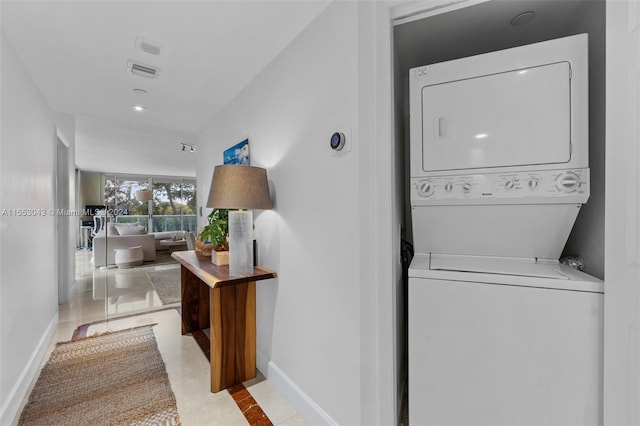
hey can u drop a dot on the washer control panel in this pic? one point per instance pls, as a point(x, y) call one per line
point(539, 186)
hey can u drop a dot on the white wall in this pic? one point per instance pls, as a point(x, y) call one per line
point(69, 225)
point(622, 227)
point(379, 218)
point(309, 319)
point(28, 285)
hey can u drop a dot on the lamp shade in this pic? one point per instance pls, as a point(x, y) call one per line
point(144, 195)
point(239, 187)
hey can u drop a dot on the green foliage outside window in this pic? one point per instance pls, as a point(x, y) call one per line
point(173, 206)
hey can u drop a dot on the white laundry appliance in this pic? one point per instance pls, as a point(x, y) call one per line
point(499, 331)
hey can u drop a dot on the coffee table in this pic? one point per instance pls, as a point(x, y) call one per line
point(173, 244)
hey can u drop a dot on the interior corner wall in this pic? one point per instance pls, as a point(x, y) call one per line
point(66, 133)
point(308, 319)
point(28, 294)
point(91, 189)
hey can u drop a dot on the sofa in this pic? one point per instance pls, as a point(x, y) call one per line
point(125, 235)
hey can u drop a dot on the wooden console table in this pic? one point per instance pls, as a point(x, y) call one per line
point(226, 305)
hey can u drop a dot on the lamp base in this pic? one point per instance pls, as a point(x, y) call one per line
point(241, 242)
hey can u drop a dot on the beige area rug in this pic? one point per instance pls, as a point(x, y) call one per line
point(116, 378)
point(162, 257)
point(167, 284)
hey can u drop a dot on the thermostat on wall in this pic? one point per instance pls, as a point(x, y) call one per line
point(337, 141)
point(340, 142)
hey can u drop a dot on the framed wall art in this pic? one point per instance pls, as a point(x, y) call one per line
point(237, 154)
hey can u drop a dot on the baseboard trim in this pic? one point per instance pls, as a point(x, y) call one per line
point(262, 363)
point(300, 401)
point(10, 407)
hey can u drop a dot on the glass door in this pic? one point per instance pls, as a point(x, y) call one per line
point(155, 284)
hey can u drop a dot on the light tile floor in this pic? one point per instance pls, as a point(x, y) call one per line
point(122, 299)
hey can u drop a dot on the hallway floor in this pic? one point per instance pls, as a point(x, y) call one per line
point(112, 299)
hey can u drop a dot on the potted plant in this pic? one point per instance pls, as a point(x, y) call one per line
point(214, 237)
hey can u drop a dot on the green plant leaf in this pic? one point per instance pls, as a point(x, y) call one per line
point(216, 230)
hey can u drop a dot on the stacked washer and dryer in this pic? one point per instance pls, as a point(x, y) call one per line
point(500, 332)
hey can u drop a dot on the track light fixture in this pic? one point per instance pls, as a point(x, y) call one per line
point(192, 148)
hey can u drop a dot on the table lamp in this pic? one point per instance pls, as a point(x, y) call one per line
point(243, 188)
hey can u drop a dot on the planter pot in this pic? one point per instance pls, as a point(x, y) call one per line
point(220, 258)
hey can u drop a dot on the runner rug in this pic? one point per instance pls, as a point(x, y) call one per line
point(115, 378)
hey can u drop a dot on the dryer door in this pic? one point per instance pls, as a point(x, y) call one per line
point(513, 118)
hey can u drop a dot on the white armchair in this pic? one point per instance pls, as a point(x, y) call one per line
point(191, 240)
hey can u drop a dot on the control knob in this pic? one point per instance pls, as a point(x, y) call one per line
point(510, 184)
point(532, 183)
point(466, 187)
point(448, 187)
point(567, 182)
point(425, 188)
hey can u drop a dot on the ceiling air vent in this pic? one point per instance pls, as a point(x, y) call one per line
point(142, 70)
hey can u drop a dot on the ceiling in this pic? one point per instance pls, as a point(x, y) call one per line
point(77, 54)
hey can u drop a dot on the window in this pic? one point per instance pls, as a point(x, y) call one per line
point(173, 207)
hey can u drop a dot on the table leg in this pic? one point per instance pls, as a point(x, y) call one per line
point(195, 302)
point(233, 335)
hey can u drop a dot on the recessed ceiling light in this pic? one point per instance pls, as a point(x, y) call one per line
point(140, 91)
point(523, 18)
point(138, 108)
